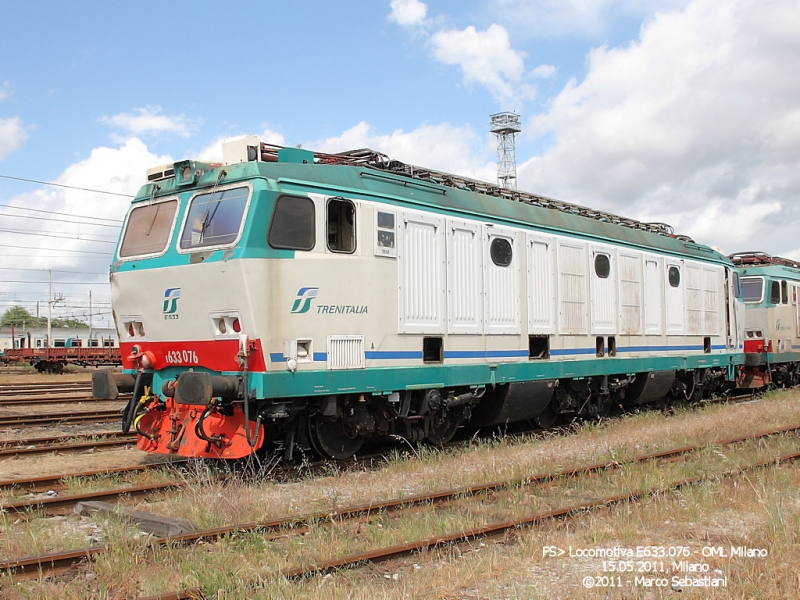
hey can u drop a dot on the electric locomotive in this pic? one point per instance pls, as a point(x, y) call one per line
point(769, 290)
point(288, 299)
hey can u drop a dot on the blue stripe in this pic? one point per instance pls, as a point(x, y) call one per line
point(392, 354)
point(277, 357)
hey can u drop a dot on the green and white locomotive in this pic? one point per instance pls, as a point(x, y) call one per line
point(769, 290)
point(291, 299)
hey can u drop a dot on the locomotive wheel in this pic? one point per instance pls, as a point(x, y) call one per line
point(330, 439)
point(444, 431)
point(547, 419)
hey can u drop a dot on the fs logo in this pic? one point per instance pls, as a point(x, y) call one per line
point(171, 296)
point(303, 301)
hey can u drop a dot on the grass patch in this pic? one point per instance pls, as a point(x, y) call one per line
point(762, 506)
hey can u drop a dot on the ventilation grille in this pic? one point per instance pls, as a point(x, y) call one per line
point(346, 352)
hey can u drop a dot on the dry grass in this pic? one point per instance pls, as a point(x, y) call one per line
point(71, 374)
point(762, 508)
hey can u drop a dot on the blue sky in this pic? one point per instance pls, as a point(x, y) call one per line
point(684, 111)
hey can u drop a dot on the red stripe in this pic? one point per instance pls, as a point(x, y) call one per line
point(216, 355)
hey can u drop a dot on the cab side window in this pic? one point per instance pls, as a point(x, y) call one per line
point(292, 224)
point(341, 225)
point(775, 292)
point(784, 292)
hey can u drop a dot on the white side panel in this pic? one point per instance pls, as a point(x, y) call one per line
point(421, 274)
point(501, 297)
point(346, 352)
point(603, 303)
point(573, 309)
point(675, 298)
point(653, 296)
point(541, 300)
point(713, 283)
point(464, 277)
point(795, 294)
point(693, 277)
point(630, 293)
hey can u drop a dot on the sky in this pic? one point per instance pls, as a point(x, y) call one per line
point(679, 111)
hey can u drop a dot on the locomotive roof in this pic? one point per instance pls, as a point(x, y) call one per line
point(373, 176)
point(761, 263)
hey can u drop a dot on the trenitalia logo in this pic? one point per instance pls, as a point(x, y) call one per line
point(171, 296)
point(303, 301)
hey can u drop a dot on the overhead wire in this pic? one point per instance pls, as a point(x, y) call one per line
point(53, 212)
point(63, 185)
point(54, 271)
point(115, 226)
point(55, 249)
point(51, 235)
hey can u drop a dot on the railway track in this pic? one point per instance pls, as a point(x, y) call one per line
point(56, 482)
point(56, 562)
point(66, 443)
point(23, 389)
point(54, 399)
point(503, 527)
point(32, 420)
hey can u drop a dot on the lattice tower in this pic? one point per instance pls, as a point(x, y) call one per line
point(505, 126)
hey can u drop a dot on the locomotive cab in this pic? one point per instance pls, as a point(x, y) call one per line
point(769, 287)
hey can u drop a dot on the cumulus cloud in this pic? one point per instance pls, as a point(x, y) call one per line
point(83, 242)
point(12, 136)
point(444, 147)
point(150, 120)
point(544, 71)
point(408, 12)
point(76, 243)
point(485, 58)
point(5, 90)
point(556, 18)
point(696, 123)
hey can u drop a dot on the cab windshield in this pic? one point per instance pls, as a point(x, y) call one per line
point(215, 219)
point(148, 229)
point(752, 289)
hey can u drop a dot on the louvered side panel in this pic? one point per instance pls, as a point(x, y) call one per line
point(676, 314)
point(464, 277)
point(712, 283)
point(540, 285)
point(603, 302)
point(421, 273)
point(346, 352)
point(501, 298)
point(630, 294)
point(572, 288)
point(694, 299)
point(653, 297)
